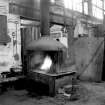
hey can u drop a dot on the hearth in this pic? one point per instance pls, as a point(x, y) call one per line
point(45, 63)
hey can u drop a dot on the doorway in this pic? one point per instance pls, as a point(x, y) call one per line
point(30, 30)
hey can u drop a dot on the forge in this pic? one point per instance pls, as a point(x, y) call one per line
point(46, 59)
point(46, 56)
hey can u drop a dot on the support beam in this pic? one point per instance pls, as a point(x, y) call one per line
point(57, 18)
point(70, 58)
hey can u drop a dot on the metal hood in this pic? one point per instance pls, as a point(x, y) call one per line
point(46, 44)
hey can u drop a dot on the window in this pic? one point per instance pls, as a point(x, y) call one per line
point(98, 13)
point(52, 1)
point(97, 3)
point(73, 4)
point(76, 5)
point(97, 6)
point(86, 8)
point(68, 4)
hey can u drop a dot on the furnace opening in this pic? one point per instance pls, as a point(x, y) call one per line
point(46, 61)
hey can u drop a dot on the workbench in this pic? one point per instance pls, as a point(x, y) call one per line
point(10, 79)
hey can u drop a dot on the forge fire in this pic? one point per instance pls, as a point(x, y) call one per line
point(41, 61)
point(47, 62)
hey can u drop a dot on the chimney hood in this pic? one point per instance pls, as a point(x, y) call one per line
point(46, 44)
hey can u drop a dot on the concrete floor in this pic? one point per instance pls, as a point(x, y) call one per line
point(89, 94)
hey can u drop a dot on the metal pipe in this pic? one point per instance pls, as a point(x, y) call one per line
point(44, 10)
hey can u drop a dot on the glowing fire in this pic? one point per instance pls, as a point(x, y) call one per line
point(46, 64)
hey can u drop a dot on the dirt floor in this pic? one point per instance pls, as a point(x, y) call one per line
point(87, 93)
